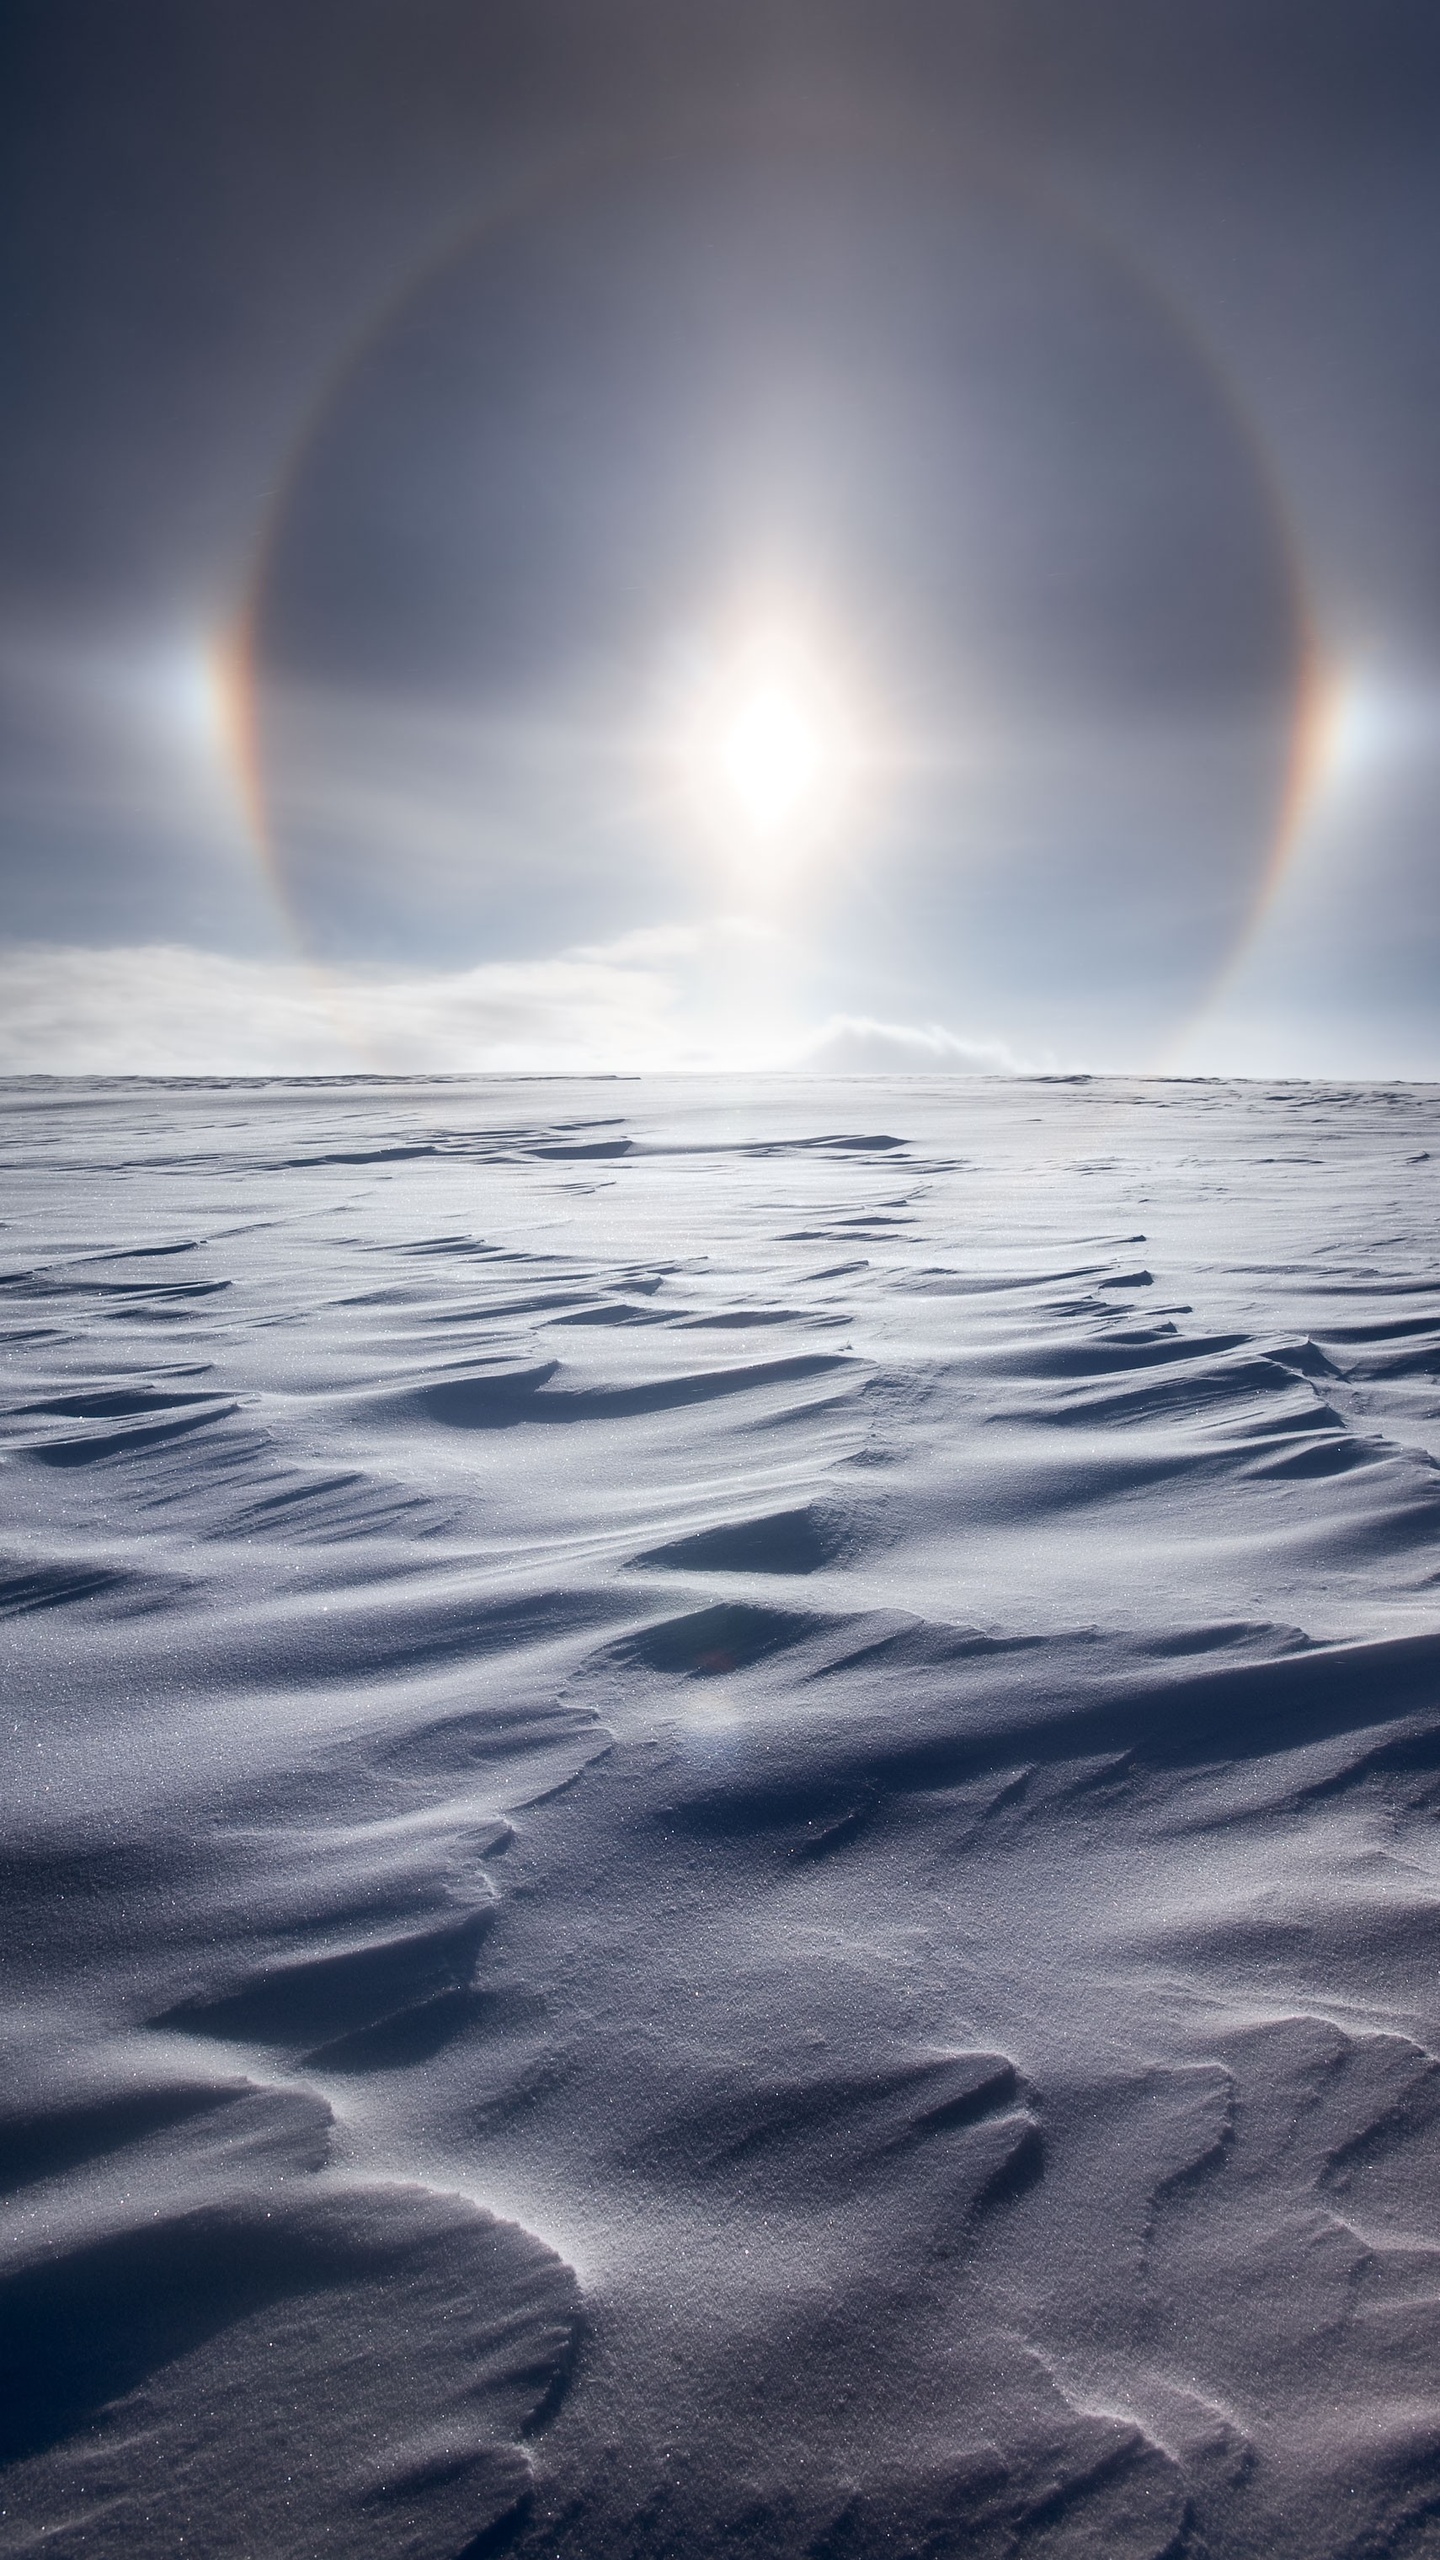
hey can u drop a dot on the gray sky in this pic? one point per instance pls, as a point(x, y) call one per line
point(434, 430)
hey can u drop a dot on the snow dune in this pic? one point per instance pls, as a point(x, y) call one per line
point(720, 1820)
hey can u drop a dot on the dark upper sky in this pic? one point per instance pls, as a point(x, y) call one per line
point(1065, 376)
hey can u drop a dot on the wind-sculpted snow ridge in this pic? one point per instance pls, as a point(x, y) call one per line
point(720, 1821)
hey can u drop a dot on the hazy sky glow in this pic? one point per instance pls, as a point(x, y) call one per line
point(641, 535)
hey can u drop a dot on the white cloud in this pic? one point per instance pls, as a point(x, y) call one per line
point(165, 1010)
point(676, 941)
point(647, 1000)
point(851, 1044)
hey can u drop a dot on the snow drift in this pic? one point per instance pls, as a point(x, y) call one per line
point(720, 1828)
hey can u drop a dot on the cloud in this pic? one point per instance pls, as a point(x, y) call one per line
point(162, 1009)
point(851, 1044)
point(663, 998)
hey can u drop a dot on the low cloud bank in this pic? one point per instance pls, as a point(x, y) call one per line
point(165, 1010)
point(851, 1044)
point(634, 1004)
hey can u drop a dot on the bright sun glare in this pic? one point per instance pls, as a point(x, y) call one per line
point(771, 755)
point(767, 754)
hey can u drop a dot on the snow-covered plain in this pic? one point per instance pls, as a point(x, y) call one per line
point(720, 1820)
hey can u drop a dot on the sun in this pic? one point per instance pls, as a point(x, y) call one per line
point(767, 753)
point(772, 755)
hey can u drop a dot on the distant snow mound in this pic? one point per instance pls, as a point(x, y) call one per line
point(852, 1044)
